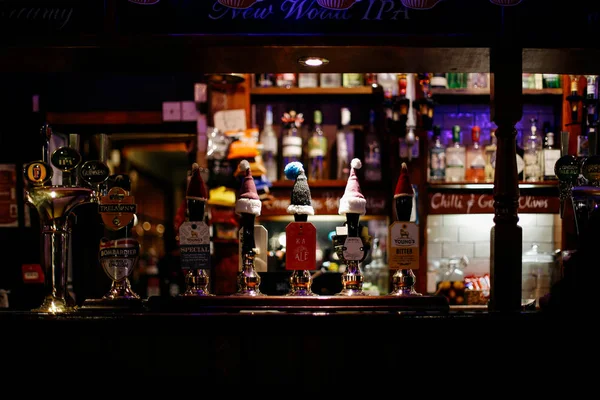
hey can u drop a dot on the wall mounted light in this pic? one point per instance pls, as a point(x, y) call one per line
point(313, 61)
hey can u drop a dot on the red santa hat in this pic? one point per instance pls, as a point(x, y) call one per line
point(196, 189)
point(353, 201)
point(403, 187)
point(248, 201)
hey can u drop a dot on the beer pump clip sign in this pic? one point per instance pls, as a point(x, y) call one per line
point(403, 241)
point(117, 208)
point(301, 246)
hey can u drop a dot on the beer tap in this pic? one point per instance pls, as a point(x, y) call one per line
point(248, 206)
point(301, 235)
point(54, 205)
point(353, 245)
point(403, 235)
point(194, 238)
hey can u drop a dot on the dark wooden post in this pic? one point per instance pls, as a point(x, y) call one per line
point(506, 66)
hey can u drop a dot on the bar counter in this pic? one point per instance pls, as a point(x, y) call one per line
point(230, 347)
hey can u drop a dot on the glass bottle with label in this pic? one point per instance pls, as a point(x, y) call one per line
point(475, 158)
point(345, 145)
point(317, 150)
point(519, 157)
point(437, 157)
point(372, 164)
point(455, 158)
point(269, 146)
point(532, 155)
point(291, 141)
point(352, 80)
point(550, 155)
point(490, 158)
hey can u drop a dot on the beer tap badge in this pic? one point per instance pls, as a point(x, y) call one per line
point(118, 257)
point(94, 172)
point(37, 173)
point(65, 158)
point(117, 208)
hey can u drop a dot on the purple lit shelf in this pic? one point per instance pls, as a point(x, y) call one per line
point(486, 92)
point(311, 91)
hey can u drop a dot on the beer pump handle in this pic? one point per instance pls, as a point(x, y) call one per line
point(45, 136)
point(564, 143)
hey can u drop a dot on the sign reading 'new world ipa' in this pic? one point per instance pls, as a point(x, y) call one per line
point(307, 16)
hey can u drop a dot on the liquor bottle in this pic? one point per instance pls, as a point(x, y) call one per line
point(269, 144)
point(439, 81)
point(475, 158)
point(532, 155)
point(291, 141)
point(550, 156)
point(372, 166)
point(287, 80)
point(490, 158)
point(317, 150)
point(345, 145)
point(519, 157)
point(574, 98)
point(455, 158)
point(352, 80)
point(437, 157)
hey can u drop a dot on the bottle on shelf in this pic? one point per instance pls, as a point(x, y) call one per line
point(550, 155)
point(439, 81)
point(287, 80)
point(490, 157)
point(308, 80)
point(330, 80)
point(475, 158)
point(551, 80)
point(532, 155)
point(317, 150)
point(574, 98)
point(455, 158)
point(291, 141)
point(520, 161)
point(372, 164)
point(265, 80)
point(268, 138)
point(352, 80)
point(345, 145)
point(437, 157)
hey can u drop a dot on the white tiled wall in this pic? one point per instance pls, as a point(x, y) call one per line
point(469, 234)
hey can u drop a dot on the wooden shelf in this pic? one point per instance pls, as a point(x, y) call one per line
point(486, 92)
point(311, 91)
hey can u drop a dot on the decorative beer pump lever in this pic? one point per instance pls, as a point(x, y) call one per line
point(194, 238)
point(300, 235)
point(248, 206)
point(351, 242)
point(403, 253)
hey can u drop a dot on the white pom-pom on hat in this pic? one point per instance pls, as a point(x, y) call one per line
point(244, 165)
point(356, 163)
